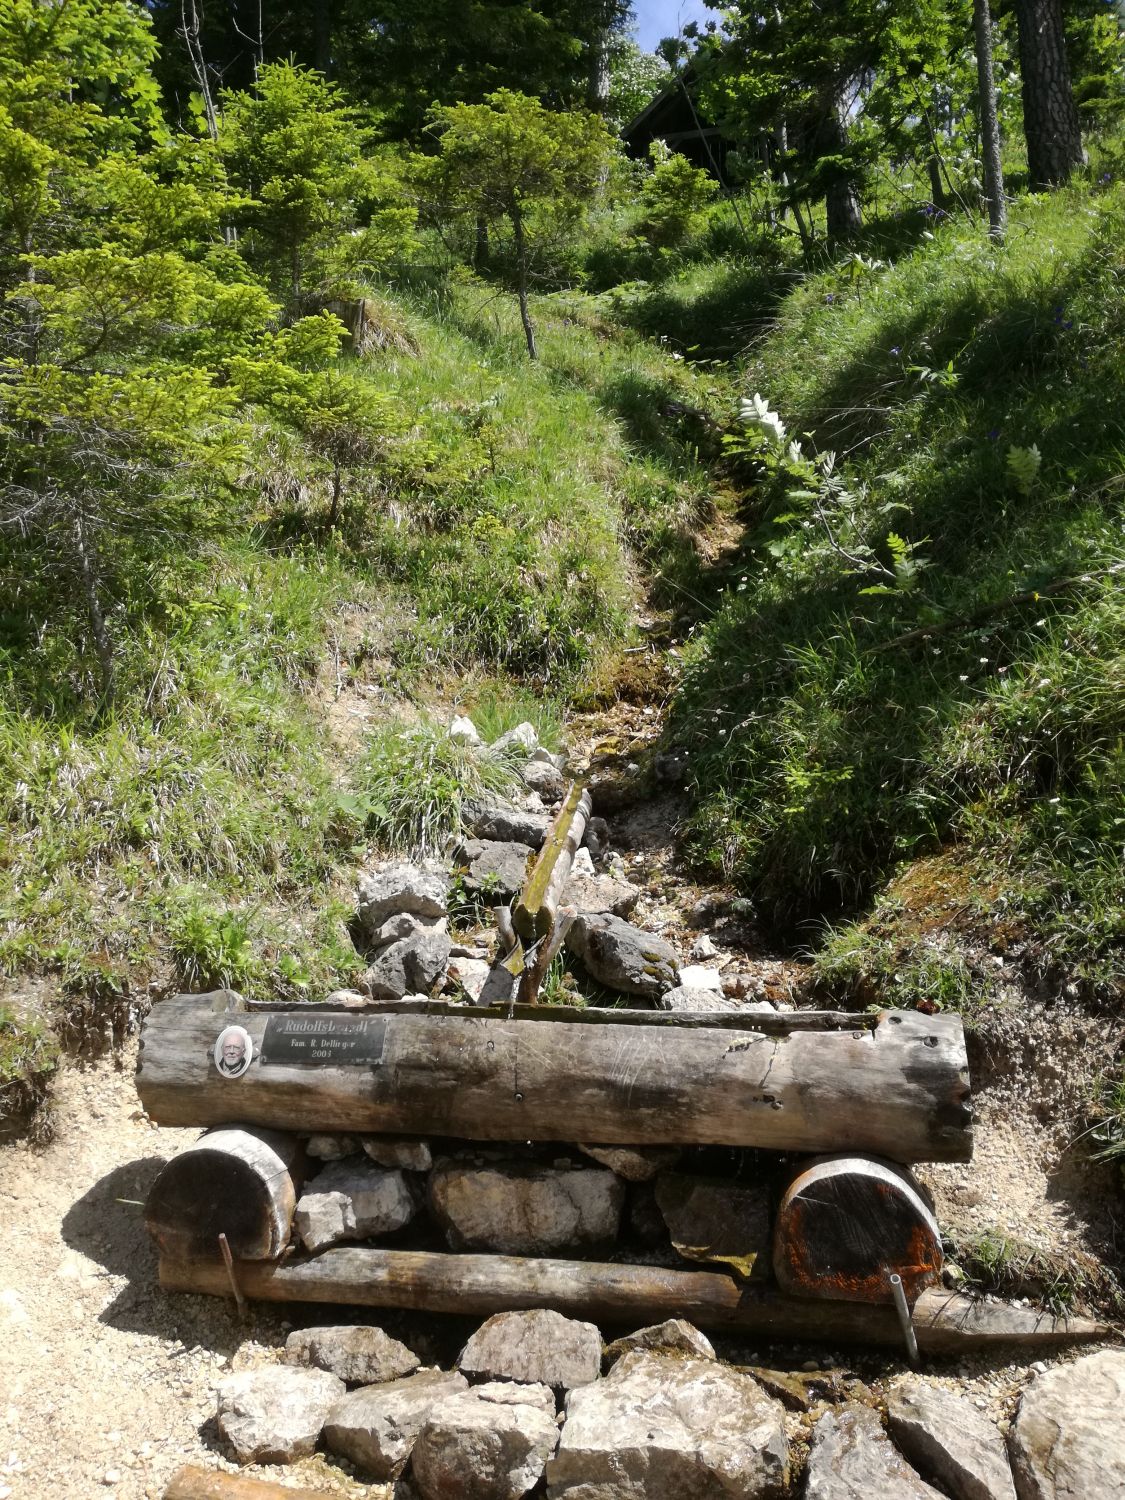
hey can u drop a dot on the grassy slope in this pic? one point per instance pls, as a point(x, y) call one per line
point(827, 750)
point(211, 830)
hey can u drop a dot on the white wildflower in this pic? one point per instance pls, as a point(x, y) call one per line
point(755, 412)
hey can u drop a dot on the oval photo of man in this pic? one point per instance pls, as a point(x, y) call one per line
point(234, 1051)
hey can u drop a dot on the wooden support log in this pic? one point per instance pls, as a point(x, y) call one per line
point(194, 1483)
point(844, 1224)
point(534, 976)
point(535, 911)
point(629, 1296)
point(898, 1088)
point(241, 1183)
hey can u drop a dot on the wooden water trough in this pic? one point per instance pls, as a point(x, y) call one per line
point(893, 1085)
point(877, 1092)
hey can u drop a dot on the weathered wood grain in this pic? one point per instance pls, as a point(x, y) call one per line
point(194, 1483)
point(898, 1089)
point(534, 913)
point(844, 1224)
point(623, 1295)
point(241, 1183)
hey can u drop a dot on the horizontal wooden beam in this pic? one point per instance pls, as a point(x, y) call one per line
point(193, 1483)
point(898, 1088)
point(623, 1295)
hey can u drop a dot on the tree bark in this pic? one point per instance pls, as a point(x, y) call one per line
point(841, 201)
point(623, 1295)
point(516, 213)
point(598, 81)
point(893, 1085)
point(194, 1483)
point(1050, 116)
point(91, 588)
point(534, 914)
point(989, 123)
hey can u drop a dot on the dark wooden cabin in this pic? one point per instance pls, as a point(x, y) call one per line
point(675, 117)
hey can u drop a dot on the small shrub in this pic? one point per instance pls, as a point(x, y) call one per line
point(212, 949)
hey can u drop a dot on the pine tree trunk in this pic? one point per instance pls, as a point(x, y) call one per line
point(1050, 117)
point(598, 82)
point(989, 124)
point(88, 570)
point(521, 279)
point(841, 201)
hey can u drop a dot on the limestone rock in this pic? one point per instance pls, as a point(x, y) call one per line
point(601, 893)
point(413, 965)
point(662, 1428)
point(331, 1147)
point(675, 1336)
point(622, 957)
point(495, 869)
point(323, 1219)
point(522, 1209)
point(545, 778)
point(463, 731)
point(597, 837)
point(490, 818)
point(471, 974)
point(684, 997)
point(634, 1163)
point(1069, 1437)
point(375, 1427)
point(399, 887)
point(489, 1444)
point(274, 1415)
point(402, 925)
point(359, 1354)
point(712, 1219)
point(523, 739)
point(582, 865)
point(345, 1000)
point(352, 1201)
point(399, 1151)
point(539, 1347)
point(700, 977)
point(949, 1441)
point(851, 1458)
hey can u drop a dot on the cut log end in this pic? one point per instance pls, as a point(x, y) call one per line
point(240, 1183)
point(846, 1223)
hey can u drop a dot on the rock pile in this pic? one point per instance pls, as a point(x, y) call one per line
point(528, 1409)
point(402, 916)
point(531, 1199)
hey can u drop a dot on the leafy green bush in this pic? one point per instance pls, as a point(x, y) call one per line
point(673, 197)
point(212, 948)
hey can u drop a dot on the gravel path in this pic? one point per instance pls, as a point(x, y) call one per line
point(106, 1383)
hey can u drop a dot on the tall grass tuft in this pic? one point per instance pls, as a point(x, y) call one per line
point(413, 782)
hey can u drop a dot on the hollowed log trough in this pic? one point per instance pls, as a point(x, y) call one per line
point(894, 1085)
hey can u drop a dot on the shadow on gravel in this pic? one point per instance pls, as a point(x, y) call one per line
point(107, 1225)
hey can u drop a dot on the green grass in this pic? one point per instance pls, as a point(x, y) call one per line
point(29, 1055)
point(1006, 1266)
point(209, 830)
point(831, 738)
point(413, 781)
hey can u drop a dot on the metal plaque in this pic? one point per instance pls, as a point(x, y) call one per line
point(324, 1041)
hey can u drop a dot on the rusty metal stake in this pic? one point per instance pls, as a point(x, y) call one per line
point(901, 1307)
point(228, 1261)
